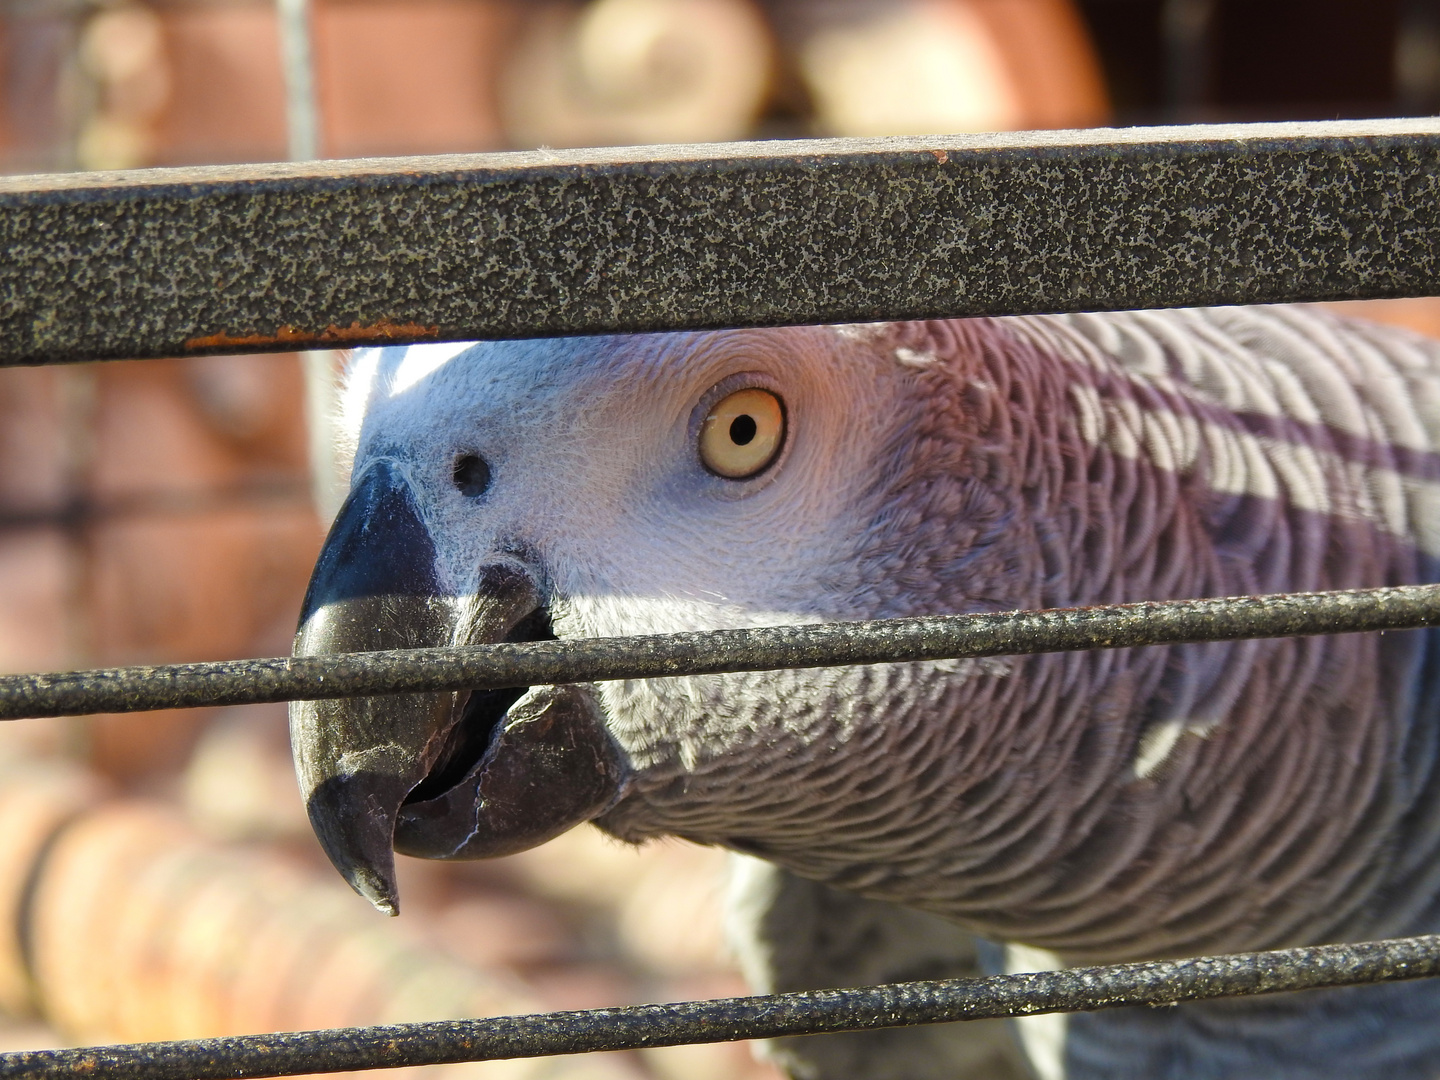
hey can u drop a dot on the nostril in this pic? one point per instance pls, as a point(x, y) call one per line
point(471, 475)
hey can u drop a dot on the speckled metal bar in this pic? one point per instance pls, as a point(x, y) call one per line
point(323, 254)
point(729, 1019)
point(942, 637)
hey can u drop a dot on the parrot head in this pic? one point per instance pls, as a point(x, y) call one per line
point(519, 491)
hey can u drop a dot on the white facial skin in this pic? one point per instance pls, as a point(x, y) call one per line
point(597, 483)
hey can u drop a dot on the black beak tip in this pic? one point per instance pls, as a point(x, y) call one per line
point(354, 820)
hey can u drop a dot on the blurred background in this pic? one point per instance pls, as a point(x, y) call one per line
point(157, 875)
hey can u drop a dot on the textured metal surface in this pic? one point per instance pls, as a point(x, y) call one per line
point(230, 259)
point(233, 682)
point(725, 1020)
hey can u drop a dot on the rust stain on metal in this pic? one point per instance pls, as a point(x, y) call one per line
point(290, 337)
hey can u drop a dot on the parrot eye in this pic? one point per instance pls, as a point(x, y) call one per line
point(742, 433)
point(471, 475)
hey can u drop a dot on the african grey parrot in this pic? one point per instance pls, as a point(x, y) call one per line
point(903, 819)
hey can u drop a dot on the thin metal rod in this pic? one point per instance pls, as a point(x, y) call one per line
point(1186, 29)
point(730, 1019)
point(944, 637)
point(332, 254)
point(304, 126)
point(320, 369)
point(297, 57)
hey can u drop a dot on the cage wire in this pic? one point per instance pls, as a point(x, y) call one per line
point(304, 128)
point(842, 230)
point(767, 648)
point(727, 1019)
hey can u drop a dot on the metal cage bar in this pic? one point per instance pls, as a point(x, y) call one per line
point(939, 637)
point(1164, 982)
point(229, 259)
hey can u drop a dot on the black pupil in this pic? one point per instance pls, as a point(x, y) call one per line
point(472, 475)
point(742, 430)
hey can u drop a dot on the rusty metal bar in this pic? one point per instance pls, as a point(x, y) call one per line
point(328, 254)
point(729, 1019)
point(943, 637)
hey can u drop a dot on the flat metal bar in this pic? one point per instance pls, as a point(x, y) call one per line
point(730, 1019)
point(941, 637)
point(329, 254)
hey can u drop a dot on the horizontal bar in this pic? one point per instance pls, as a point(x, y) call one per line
point(325, 254)
point(941, 637)
point(81, 511)
point(730, 1019)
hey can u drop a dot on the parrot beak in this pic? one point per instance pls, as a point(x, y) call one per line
point(442, 775)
